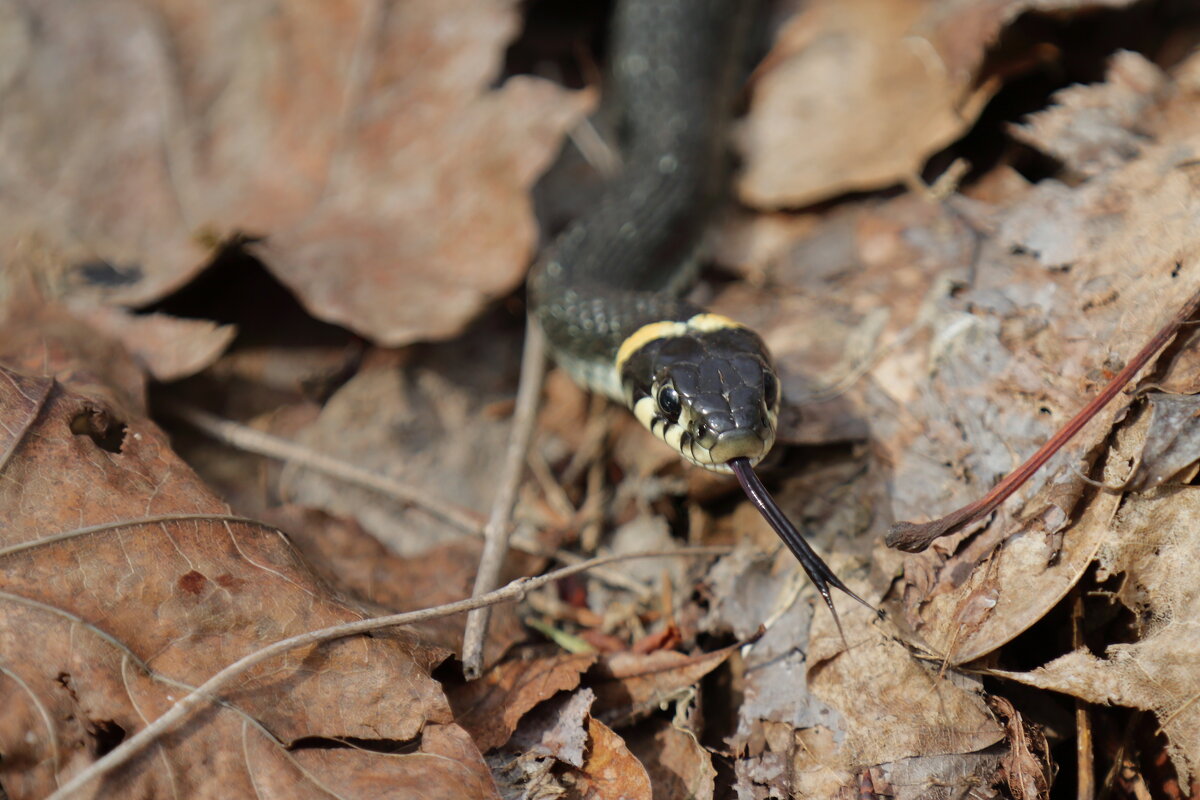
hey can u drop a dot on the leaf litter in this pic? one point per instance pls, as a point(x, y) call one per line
point(928, 340)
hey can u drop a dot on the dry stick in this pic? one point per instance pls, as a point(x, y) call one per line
point(265, 444)
point(512, 591)
point(915, 537)
point(495, 533)
point(254, 441)
point(1085, 781)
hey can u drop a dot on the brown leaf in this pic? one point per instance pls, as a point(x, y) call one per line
point(610, 772)
point(447, 766)
point(876, 681)
point(557, 727)
point(139, 135)
point(872, 88)
point(425, 426)
point(678, 765)
point(1149, 540)
point(128, 578)
point(168, 348)
point(632, 684)
point(352, 560)
point(1027, 768)
point(48, 340)
point(491, 707)
point(863, 86)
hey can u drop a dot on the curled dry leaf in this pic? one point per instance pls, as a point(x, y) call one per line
point(1146, 541)
point(630, 685)
point(491, 707)
point(610, 771)
point(678, 765)
point(168, 348)
point(1095, 128)
point(1026, 767)
point(1172, 442)
point(138, 134)
point(556, 728)
point(131, 582)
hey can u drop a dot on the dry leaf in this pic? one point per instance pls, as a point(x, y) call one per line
point(351, 560)
point(167, 348)
point(447, 766)
point(421, 427)
point(1147, 540)
point(678, 765)
point(140, 133)
point(1027, 769)
point(556, 728)
point(1172, 443)
point(610, 771)
point(633, 684)
point(858, 94)
point(1092, 129)
point(491, 707)
point(126, 604)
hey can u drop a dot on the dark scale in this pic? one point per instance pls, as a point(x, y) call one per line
point(673, 77)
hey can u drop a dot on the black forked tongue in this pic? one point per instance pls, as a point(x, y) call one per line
point(818, 571)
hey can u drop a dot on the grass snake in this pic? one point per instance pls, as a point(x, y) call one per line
point(608, 291)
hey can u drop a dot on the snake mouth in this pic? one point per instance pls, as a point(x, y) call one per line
point(748, 445)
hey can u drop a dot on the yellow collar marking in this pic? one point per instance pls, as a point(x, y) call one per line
point(701, 323)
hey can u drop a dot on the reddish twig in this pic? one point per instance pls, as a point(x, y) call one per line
point(915, 537)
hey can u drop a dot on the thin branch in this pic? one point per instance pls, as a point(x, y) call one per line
point(205, 693)
point(265, 444)
point(915, 537)
point(495, 533)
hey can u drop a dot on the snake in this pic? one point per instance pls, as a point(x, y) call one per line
point(608, 292)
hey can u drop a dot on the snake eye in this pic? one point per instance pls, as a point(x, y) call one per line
point(668, 402)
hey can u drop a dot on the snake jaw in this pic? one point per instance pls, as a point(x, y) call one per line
point(747, 444)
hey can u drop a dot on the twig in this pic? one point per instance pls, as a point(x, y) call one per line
point(265, 444)
point(1085, 766)
point(512, 591)
point(495, 533)
point(915, 537)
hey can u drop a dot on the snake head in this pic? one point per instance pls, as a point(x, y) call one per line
point(709, 391)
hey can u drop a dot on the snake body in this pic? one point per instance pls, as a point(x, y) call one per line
point(607, 294)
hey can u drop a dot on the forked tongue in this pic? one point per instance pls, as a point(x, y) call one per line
point(818, 571)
